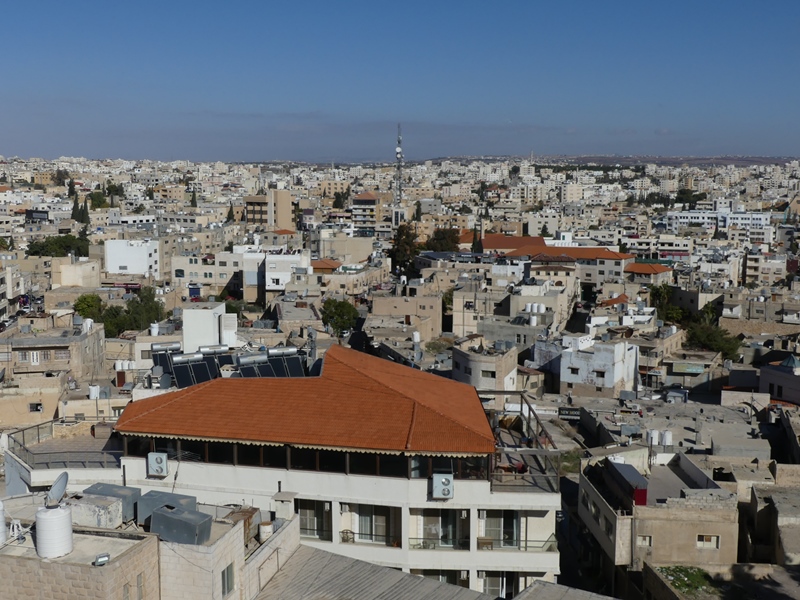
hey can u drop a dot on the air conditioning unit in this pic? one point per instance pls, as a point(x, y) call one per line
point(442, 486)
point(157, 464)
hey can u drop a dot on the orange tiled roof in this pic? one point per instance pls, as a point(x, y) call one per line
point(646, 269)
point(325, 263)
point(358, 401)
point(499, 241)
point(576, 252)
point(284, 232)
point(621, 299)
point(365, 196)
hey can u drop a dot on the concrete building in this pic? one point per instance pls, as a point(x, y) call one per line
point(661, 509)
point(273, 210)
point(132, 257)
point(487, 367)
point(363, 460)
point(603, 369)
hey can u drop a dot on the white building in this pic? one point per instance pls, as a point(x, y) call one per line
point(134, 257)
point(601, 369)
point(381, 462)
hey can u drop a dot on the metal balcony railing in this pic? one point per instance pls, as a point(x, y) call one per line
point(438, 543)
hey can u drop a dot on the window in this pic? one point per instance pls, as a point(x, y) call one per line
point(468, 370)
point(179, 273)
point(147, 354)
point(23, 356)
point(373, 523)
point(223, 263)
point(227, 580)
point(140, 586)
point(780, 391)
point(123, 267)
point(126, 591)
point(45, 354)
point(569, 385)
point(609, 527)
point(456, 365)
point(598, 389)
point(62, 354)
point(708, 541)
point(573, 370)
point(644, 541)
point(489, 374)
point(600, 373)
point(771, 389)
point(35, 407)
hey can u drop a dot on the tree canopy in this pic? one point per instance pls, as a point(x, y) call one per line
point(339, 315)
point(59, 245)
point(404, 249)
point(138, 313)
point(444, 240)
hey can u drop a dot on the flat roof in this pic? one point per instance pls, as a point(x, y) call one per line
point(85, 548)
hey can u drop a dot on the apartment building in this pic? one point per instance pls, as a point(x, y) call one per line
point(660, 509)
point(489, 367)
point(132, 257)
point(273, 210)
point(381, 463)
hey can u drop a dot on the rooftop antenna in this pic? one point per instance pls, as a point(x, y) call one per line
point(398, 177)
point(57, 490)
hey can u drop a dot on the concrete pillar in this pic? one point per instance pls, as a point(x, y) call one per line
point(405, 526)
point(336, 521)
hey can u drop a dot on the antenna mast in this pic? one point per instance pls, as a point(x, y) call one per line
point(398, 177)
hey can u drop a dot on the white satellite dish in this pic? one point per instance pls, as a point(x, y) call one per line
point(57, 490)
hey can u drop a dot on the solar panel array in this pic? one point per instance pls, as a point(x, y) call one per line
point(186, 374)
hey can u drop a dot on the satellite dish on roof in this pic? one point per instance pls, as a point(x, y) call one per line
point(57, 490)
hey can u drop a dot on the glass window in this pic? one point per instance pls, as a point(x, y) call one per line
point(227, 580)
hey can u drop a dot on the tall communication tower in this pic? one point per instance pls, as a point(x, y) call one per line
point(398, 175)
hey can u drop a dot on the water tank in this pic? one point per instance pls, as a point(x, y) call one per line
point(416, 337)
point(153, 329)
point(2, 524)
point(87, 325)
point(528, 307)
point(310, 270)
point(615, 295)
point(94, 392)
point(666, 437)
point(534, 320)
point(130, 365)
point(53, 532)
point(119, 365)
point(542, 309)
point(653, 436)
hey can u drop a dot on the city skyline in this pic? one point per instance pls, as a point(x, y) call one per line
point(318, 82)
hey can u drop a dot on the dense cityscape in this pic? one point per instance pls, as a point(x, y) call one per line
point(229, 379)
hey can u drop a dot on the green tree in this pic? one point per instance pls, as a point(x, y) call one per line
point(89, 306)
point(139, 209)
point(59, 245)
point(231, 216)
point(404, 250)
point(545, 232)
point(150, 194)
point(60, 177)
point(339, 199)
point(85, 218)
point(444, 240)
point(447, 300)
point(513, 172)
point(418, 211)
point(339, 315)
point(98, 200)
point(477, 244)
point(194, 199)
point(710, 337)
point(76, 209)
point(71, 189)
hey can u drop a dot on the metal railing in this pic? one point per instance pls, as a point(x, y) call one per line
point(20, 444)
point(492, 543)
point(350, 537)
point(325, 535)
point(438, 543)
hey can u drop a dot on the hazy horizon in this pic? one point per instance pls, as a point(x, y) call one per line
point(318, 82)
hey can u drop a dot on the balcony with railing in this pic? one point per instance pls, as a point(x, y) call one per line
point(66, 444)
point(526, 458)
point(438, 543)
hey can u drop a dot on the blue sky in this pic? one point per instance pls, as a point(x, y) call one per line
point(325, 81)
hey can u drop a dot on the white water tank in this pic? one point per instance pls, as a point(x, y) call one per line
point(653, 436)
point(666, 437)
point(416, 337)
point(528, 307)
point(53, 532)
point(119, 365)
point(153, 329)
point(3, 531)
point(129, 365)
point(87, 325)
point(265, 530)
point(534, 321)
point(94, 392)
point(542, 309)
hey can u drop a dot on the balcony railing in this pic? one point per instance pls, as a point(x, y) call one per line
point(492, 543)
point(325, 535)
point(349, 537)
point(438, 543)
point(22, 444)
